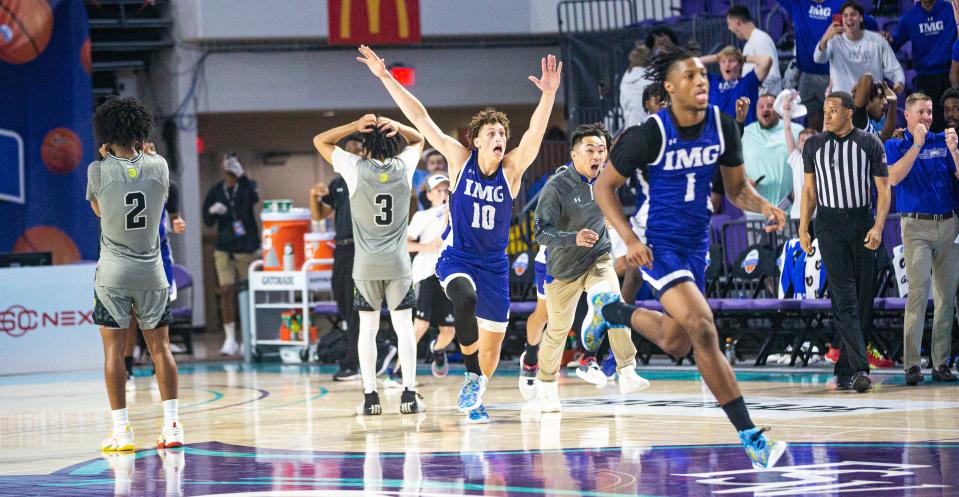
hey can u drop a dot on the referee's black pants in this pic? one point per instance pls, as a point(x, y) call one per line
point(851, 275)
point(342, 283)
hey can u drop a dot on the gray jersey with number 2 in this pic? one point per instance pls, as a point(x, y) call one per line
point(131, 195)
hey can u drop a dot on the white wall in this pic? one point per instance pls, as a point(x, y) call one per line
point(334, 80)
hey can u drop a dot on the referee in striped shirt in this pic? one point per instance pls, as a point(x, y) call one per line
point(841, 166)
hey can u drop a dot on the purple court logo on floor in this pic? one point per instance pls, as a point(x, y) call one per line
point(213, 468)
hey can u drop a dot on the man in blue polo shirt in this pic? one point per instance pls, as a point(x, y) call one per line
point(922, 169)
point(931, 28)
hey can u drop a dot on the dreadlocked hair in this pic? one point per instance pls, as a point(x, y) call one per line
point(661, 62)
point(122, 121)
point(382, 147)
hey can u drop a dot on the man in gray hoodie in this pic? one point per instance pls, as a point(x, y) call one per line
point(570, 224)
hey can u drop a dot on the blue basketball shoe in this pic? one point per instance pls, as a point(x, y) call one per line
point(471, 395)
point(596, 330)
point(478, 415)
point(764, 453)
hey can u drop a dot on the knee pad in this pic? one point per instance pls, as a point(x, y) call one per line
point(461, 292)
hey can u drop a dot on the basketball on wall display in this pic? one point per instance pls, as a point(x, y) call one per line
point(25, 29)
point(86, 59)
point(48, 239)
point(61, 151)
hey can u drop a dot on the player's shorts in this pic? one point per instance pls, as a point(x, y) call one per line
point(114, 307)
point(673, 265)
point(489, 277)
point(617, 247)
point(368, 295)
point(230, 264)
point(432, 304)
point(540, 277)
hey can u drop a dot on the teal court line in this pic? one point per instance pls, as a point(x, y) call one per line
point(321, 392)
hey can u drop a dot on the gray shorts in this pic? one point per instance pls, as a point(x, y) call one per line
point(368, 295)
point(113, 307)
point(812, 91)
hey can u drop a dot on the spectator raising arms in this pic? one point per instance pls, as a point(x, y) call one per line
point(730, 84)
point(875, 107)
point(851, 52)
point(758, 42)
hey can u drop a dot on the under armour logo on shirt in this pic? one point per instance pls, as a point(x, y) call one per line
point(672, 141)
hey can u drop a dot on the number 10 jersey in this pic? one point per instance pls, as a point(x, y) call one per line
point(481, 209)
point(131, 194)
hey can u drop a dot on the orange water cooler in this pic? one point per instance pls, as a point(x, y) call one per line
point(283, 235)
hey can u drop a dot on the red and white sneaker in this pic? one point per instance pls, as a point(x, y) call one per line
point(171, 436)
point(832, 355)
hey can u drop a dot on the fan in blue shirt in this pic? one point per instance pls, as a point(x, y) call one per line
point(730, 84)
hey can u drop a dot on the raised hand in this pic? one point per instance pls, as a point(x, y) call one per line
point(919, 135)
point(952, 140)
point(742, 108)
point(549, 81)
point(366, 123)
point(376, 65)
point(387, 126)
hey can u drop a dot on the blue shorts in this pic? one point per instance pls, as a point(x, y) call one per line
point(490, 279)
point(540, 277)
point(673, 265)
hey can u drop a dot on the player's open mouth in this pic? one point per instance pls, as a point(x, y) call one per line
point(702, 96)
point(497, 149)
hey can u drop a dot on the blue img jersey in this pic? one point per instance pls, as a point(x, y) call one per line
point(674, 205)
point(481, 209)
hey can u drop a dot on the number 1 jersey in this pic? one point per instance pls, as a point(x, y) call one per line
point(481, 209)
point(674, 203)
point(131, 194)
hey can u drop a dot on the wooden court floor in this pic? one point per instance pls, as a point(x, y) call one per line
point(273, 430)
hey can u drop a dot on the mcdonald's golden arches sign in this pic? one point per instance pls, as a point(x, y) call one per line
point(353, 22)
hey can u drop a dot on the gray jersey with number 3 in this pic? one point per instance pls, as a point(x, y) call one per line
point(131, 195)
point(380, 207)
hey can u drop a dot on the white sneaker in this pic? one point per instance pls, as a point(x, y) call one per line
point(131, 385)
point(527, 379)
point(229, 348)
point(171, 436)
point(120, 440)
point(591, 373)
point(547, 394)
point(630, 381)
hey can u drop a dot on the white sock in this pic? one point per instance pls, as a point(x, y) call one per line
point(171, 411)
point(601, 287)
point(403, 326)
point(230, 329)
point(366, 348)
point(120, 418)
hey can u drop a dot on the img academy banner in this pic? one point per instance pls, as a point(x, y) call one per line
point(46, 138)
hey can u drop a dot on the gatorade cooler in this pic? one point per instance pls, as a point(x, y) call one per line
point(284, 230)
point(319, 246)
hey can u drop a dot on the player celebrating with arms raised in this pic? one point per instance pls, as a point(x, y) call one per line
point(677, 151)
point(484, 179)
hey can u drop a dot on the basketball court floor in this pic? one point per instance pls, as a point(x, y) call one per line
point(275, 430)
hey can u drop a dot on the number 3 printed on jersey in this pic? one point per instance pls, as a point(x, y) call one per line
point(483, 216)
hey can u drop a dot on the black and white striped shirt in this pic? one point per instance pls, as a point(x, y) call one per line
point(844, 167)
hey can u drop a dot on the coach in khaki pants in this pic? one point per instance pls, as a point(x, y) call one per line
point(922, 169)
point(571, 226)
